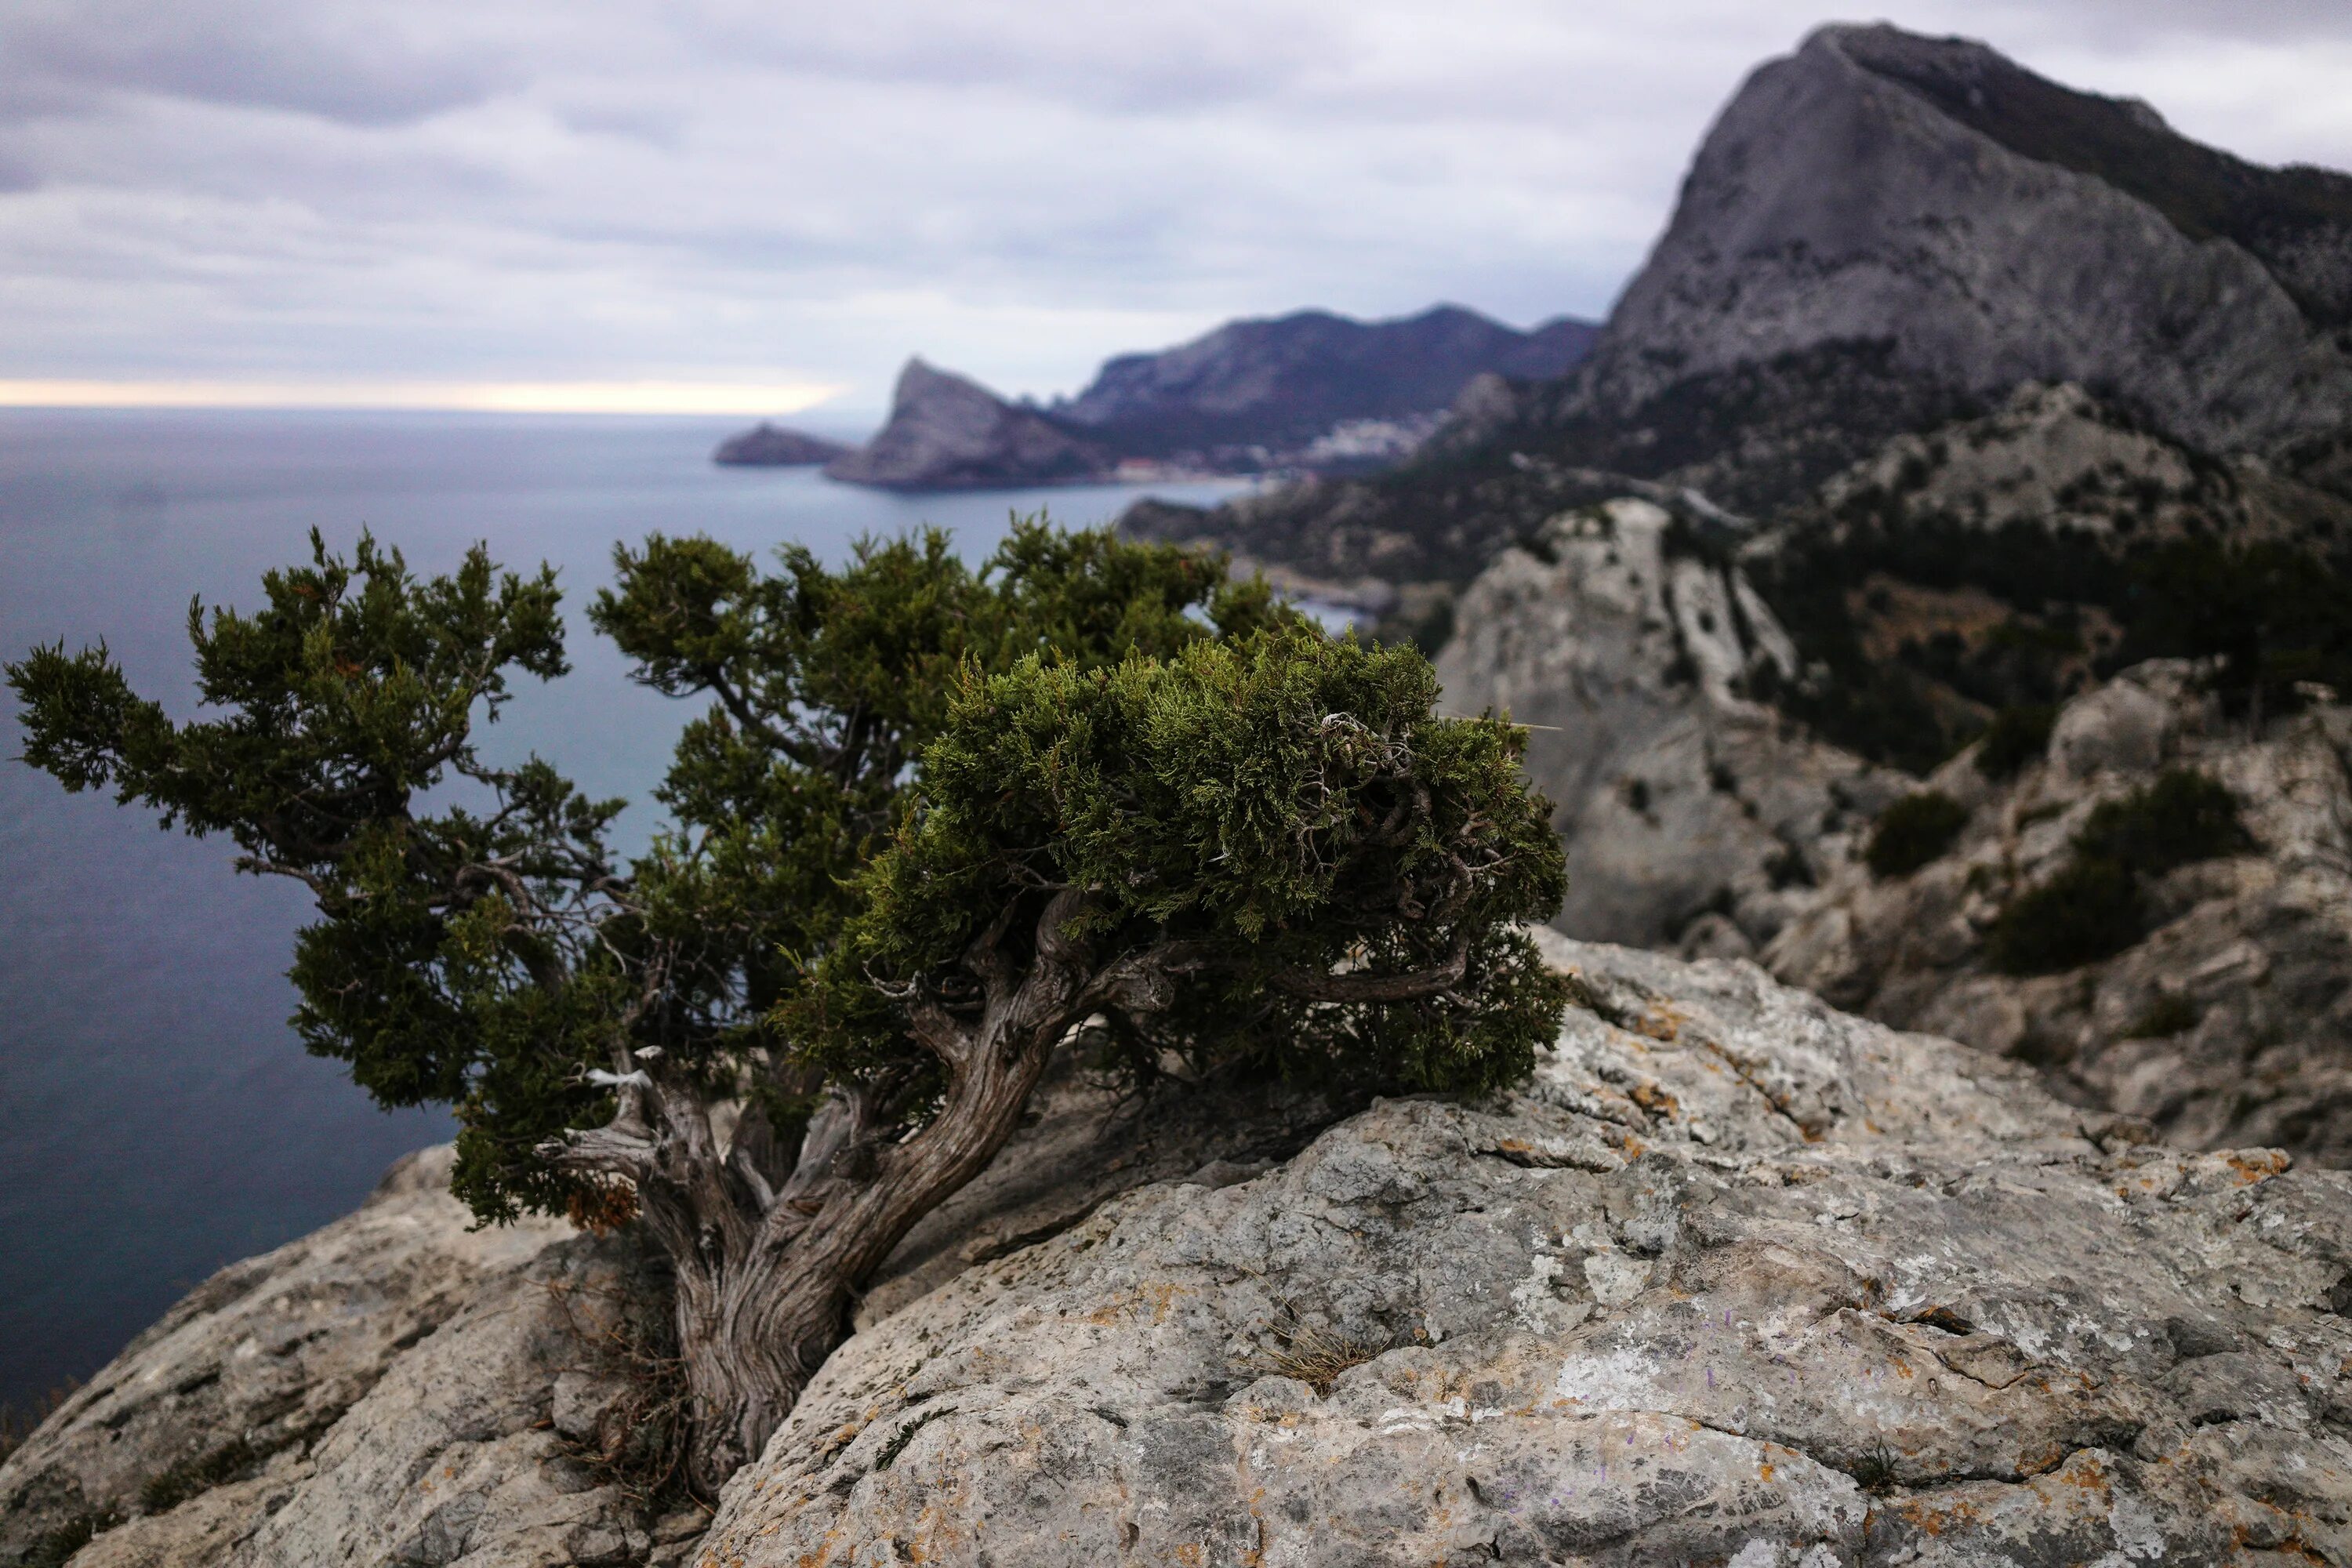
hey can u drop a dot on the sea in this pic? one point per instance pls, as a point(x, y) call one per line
point(158, 1118)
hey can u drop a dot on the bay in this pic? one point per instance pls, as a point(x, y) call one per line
point(157, 1117)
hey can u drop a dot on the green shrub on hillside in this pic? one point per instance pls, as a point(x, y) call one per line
point(2019, 734)
point(2090, 910)
point(2096, 907)
point(2184, 816)
point(1914, 832)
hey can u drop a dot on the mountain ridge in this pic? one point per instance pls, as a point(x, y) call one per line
point(1312, 390)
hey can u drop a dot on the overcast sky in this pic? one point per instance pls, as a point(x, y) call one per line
point(751, 203)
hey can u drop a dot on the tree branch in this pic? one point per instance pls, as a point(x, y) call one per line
point(1366, 987)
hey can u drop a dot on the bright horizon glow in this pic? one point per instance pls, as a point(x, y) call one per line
point(454, 396)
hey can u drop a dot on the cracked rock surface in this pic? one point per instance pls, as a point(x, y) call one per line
point(1738, 1278)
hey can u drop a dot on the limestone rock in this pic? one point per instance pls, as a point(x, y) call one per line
point(2229, 1023)
point(268, 1354)
point(400, 1388)
point(948, 433)
point(1737, 1279)
point(1691, 814)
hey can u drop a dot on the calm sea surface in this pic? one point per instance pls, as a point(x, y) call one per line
point(157, 1117)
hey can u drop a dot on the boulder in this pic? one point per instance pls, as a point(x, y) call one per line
point(259, 1362)
point(1735, 1279)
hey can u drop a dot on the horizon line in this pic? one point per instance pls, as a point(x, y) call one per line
point(642, 396)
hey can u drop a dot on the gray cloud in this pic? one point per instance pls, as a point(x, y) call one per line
point(305, 58)
point(707, 189)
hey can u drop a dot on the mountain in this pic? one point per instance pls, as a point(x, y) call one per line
point(1736, 1277)
point(766, 445)
point(948, 433)
point(1310, 390)
point(1995, 227)
point(1880, 235)
point(1280, 383)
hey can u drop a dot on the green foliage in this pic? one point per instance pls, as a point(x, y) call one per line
point(1915, 831)
point(2092, 908)
point(2272, 615)
point(2183, 816)
point(2168, 1014)
point(895, 753)
point(2095, 906)
point(1268, 808)
point(2019, 734)
point(200, 1474)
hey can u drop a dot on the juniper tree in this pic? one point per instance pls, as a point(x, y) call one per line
point(933, 824)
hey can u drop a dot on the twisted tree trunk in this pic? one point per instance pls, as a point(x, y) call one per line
point(765, 1275)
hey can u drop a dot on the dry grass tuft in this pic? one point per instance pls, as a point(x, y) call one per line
point(1312, 1353)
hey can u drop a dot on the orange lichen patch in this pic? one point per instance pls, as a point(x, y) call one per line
point(1764, 1470)
point(1934, 1518)
point(1659, 1023)
point(2258, 1165)
point(1160, 1298)
point(1657, 1101)
point(2042, 1460)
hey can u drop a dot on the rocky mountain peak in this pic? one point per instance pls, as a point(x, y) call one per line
point(946, 432)
point(1876, 188)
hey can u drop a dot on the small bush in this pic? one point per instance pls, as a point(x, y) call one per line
point(1914, 832)
point(191, 1476)
point(2090, 910)
point(2163, 1018)
point(2017, 735)
point(1787, 868)
point(2183, 816)
point(57, 1547)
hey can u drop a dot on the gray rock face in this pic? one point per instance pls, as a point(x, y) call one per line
point(767, 445)
point(270, 1353)
point(1994, 228)
point(1737, 1279)
point(1691, 816)
point(2230, 1023)
point(397, 1388)
point(948, 433)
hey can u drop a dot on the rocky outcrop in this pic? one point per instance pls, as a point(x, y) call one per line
point(766, 445)
point(401, 1388)
point(2230, 1023)
point(1691, 814)
point(948, 433)
point(1252, 392)
point(215, 1420)
point(1735, 1279)
point(1994, 228)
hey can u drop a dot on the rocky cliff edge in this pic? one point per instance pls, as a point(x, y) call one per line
point(1735, 1279)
